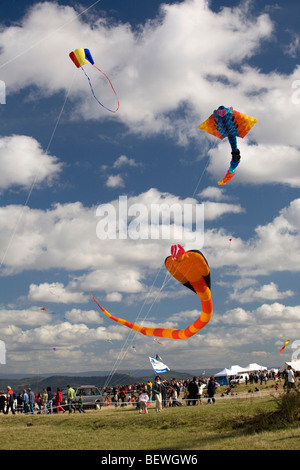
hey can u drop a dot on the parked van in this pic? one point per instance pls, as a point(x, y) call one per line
point(240, 378)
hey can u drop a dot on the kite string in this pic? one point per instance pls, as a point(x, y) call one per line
point(37, 173)
point(124, 351)
point(48, 35)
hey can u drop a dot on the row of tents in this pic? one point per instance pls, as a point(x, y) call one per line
point(223, 377)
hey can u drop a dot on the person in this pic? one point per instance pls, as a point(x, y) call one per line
point(211, 390)
point(31, 400)
point(2, 401)
point(20, 403)
point(164, 393)
point(157, 395)
point(174, 397)
point(80, 405)
point(58, 400)
point(39, 402)
point(50, 399)
point(45, 401)
point(10, 400)
point(193, 391)
point(290, 378)
point(149, 390)
point(143, 401)
point(25, 401)
point(71, 397)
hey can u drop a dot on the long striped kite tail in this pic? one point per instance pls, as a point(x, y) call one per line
point(201, 290)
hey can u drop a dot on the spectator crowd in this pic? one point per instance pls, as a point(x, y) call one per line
point(162, 393)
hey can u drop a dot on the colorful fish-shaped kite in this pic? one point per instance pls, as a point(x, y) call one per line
point(225, 122)
point(81, 57)
point(190, 269)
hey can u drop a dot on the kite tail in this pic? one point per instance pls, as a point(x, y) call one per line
point(226, 178)
point(201, 290)
point(93, 93)
point(111, 88)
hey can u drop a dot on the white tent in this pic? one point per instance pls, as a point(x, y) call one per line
point(253, 367)
point(222, 376)
point(232, 371)
point(294, 365)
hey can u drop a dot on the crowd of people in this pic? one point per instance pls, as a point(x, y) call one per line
point(162, 393)
point(46, 402)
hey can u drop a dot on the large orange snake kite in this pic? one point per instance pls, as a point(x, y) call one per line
point(190, 268)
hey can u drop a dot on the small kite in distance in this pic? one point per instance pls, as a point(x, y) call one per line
point(285, 344)
point(155, 339)
point(225, 122)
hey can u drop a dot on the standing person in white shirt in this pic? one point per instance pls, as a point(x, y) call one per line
point(291, 378)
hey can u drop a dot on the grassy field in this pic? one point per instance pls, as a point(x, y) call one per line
point(232, 423)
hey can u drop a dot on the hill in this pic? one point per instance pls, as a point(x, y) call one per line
point(38, 383)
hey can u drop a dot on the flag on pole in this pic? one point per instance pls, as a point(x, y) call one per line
point(158, 366)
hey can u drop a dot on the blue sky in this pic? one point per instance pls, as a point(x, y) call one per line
point(62, 156)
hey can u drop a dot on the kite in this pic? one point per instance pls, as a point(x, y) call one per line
point(81, 57)
point(287, 341)
point(158, 366)
point(225, 122)
point(51, 292)
point(158, 342)
point(157, 357)
point(190, 269)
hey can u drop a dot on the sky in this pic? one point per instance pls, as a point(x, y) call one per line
point(65, 160)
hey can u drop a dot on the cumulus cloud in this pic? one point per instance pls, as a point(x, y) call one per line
point(260, 163)
point(70, 236)
point(23, 163)
point(56, 293)
point(115, 181)
point(124, 161)
point(265, 292)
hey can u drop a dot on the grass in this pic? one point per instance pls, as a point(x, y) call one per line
point(230, 424)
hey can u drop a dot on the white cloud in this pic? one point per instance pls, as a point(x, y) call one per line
point(115, 181)
point(260, 163)
point(265, 292)
point(24, 163)
point(123, 161)
point(56, 293)
point(211, 192)
point(75, 315)
point(65, 236)
point(29, 317)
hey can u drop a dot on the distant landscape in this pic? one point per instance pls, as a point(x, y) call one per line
point(100, 379)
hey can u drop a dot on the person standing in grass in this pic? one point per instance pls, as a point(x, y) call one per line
point(211, 390)
point(157, 393)
point(58, 400)
point(25, 401)
point(80, 405)
point(10, 400)
point(143, 401)
point(45, 401)
point(290, 378)
point(71, 398)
